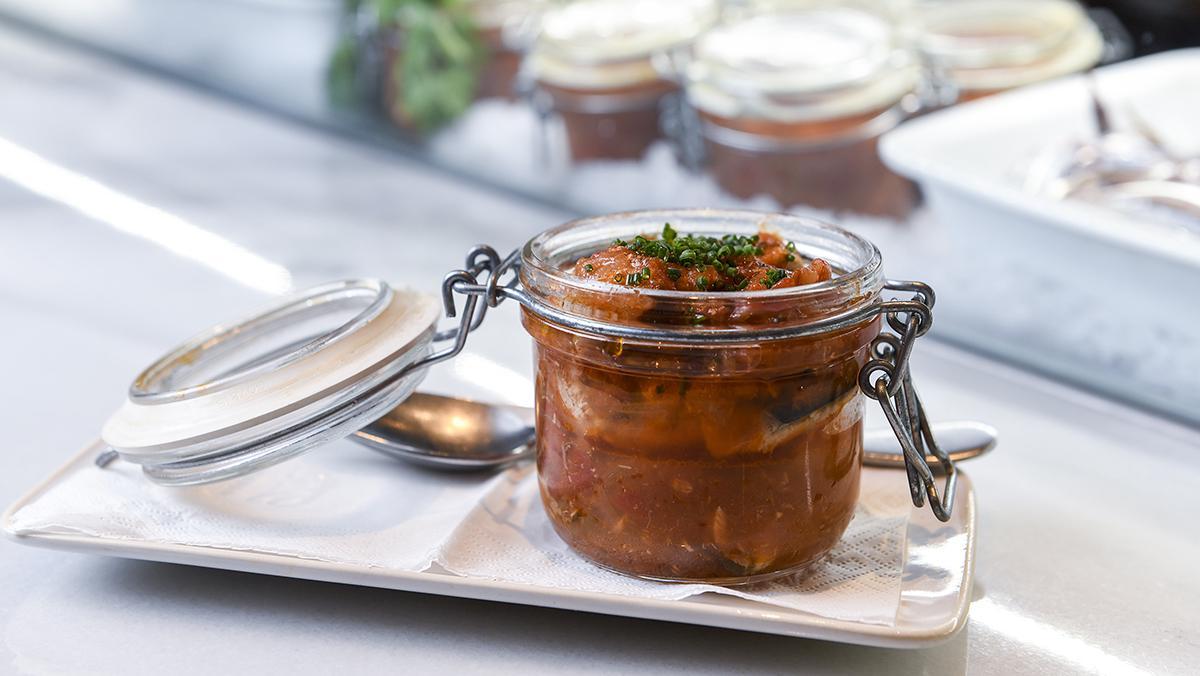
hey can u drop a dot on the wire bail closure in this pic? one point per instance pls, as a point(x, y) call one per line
point(884, 378)
point(480, 279)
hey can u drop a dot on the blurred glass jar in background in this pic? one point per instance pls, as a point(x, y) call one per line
point(893, 10)
point(792, 105)
point(593, 63)
point(506, 29)
point(980, 47)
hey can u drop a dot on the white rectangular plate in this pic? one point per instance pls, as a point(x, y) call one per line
point(933, 602)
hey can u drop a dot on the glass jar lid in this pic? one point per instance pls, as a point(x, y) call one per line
point(998, 44)
point(890, 9)
point(493, 14)
point(242, 396)
point(597, 43)
point(802, 65)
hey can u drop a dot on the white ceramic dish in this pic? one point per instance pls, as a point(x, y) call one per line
point(933, 606)
point(1075, 290)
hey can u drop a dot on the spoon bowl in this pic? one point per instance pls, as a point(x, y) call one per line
point(451, 433)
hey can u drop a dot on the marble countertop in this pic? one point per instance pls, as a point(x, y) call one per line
point(134, 211)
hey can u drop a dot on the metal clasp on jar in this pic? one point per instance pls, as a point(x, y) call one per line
point(886, 378)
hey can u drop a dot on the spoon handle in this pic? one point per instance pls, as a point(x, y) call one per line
point(961, 440)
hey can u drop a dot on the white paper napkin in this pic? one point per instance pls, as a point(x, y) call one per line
point(346, 505)
point(341, 504)
point(509, 537)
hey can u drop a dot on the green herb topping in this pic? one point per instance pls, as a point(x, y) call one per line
point(773, 277)
point(631, 279)
point(697, 250)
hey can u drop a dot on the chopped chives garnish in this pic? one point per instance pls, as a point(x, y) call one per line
point(669, 233)
point(722, 263)
point(690, 250)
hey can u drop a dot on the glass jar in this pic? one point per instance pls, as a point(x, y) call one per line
point(980, 47)
point(593, 63)
point(792, 105)
point(504, 29)
point(893, 10)
point(677, 460)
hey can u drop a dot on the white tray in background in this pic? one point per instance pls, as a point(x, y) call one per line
point(934, 598)
point(1078, 291)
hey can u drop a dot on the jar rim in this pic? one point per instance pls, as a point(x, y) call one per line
point(1037, 30)
point(604, 31)
point(800, 64)
point(825, 49)
point(867, 273)
point(501, 13)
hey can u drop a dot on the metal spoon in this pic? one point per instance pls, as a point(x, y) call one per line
point(449, 433)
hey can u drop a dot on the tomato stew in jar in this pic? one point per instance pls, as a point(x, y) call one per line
point(593, 62)
point(792, 105)
point(980, 47)
point(725, 445)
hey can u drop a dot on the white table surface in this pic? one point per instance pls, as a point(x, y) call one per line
point(112, 185)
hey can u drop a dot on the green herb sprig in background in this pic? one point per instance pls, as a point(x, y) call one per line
point(436, 61)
